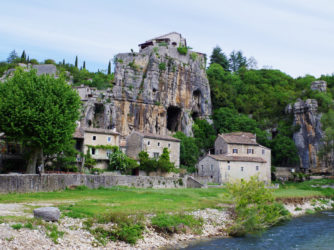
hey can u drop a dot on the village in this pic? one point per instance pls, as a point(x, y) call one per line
point(235, 156)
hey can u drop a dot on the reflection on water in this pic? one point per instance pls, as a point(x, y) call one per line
point(307, 232)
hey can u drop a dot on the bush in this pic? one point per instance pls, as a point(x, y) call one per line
point(193, 56)
point(151, 164)
point(162, 66)
point(96, 170)
point(170, 224)
point(17, 226)
point(255, 207)
point(183, 50)
point(121, 162)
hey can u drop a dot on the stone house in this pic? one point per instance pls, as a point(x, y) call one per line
point(173, 38)
point(153, 144)
point(237, 156)
point(95, 141)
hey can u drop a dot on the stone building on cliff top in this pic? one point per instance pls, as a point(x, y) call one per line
point(157, 90)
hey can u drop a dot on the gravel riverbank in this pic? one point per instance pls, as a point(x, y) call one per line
point(76, 237)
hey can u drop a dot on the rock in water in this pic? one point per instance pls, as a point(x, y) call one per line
point(47, 213)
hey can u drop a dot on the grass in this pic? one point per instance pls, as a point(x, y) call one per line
point(91, 203)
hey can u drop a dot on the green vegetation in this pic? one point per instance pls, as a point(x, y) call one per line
point(162, 66)
point(121, 162)
point(17, 226)
point(38, 111)
point(183, 50)
point(193, 56)
point(163, 164)
point(175, 223)
point(255, 207)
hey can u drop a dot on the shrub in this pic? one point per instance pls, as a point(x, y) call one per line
point(162, 66)
point(17, 226)
point(183, 50)
point(49, 61)
point(255, 207)
point(96, 170)
point(193, 56)
point(121, 162)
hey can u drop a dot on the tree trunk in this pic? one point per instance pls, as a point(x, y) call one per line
point(35, 153)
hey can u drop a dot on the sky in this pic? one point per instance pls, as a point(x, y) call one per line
point(295, 36)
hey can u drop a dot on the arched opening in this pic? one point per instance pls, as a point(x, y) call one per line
point(174, 43)
point(195, 115)
point(98, 115)
point(173, 118)
point(197, 98)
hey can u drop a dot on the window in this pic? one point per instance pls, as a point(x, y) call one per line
point(228, 167)
point(211, 167)
point(93, 151)
point(169, 145)
point(156, 155)
point(263, 151)
point(158, 144)
point(250, 151)
point(108, 153)
point(257, 168)
point(242, 169)
point(109, 139)
point(94, 137)
point(202, 168)
point(221, 151)
point(148, 143)
point(235, 151)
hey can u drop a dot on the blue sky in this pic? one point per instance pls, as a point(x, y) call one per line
point(295, 36)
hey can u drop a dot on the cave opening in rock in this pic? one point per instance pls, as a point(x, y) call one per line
point(98, 115)
point(197, 98)
point(195, 115)
point(173, 118)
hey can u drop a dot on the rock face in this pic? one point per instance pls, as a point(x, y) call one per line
point(157, 90)
point(47, 213)
point(319, 85)
point(308, 137)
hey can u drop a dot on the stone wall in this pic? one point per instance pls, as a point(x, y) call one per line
point(34, 183)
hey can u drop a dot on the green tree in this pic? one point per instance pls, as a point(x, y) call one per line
point(220, 58)
point(284, 151)
point(205, 135)
point(23, 56)
point(189, 151)
point(12, 57)
point(109, 68)
point(327, 149)
point(76, 62)
point(121, 162)
point(237, 60)
point(38, 111)
point(84, 65)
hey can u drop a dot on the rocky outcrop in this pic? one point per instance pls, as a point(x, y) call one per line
point(157, 90)
point(319, 86)
point(308, 137)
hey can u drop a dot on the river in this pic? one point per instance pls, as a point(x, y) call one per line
point(314, 231)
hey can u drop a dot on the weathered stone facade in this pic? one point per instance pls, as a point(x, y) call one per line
point(153, 145)
point(157, 90)
point(34, 183)
point(237, 156)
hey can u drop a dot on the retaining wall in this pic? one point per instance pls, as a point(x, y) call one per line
point(25, 183)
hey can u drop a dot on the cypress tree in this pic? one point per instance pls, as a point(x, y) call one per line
point(109, 68)
point(76, 62)
point(63, 61)
point(84, 65)
point(23, 56)
point(28, 59)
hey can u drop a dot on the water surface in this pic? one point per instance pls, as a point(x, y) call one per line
point(307, 232)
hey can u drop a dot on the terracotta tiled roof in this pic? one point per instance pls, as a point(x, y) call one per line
point(240, 138)
point(237, 158)
point(160, 137)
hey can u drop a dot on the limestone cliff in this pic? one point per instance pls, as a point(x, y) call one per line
point(157, 90)
point(308, 137)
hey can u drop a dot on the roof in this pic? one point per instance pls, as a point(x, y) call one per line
point(163, 36)
point(78, 133)
point(237, 158)
point(101, 131)
point(240, 138)
point(156, 136)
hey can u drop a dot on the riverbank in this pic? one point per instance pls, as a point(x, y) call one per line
point(210, 206)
